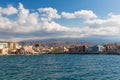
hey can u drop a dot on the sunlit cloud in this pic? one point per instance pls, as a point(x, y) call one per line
point(41, 24)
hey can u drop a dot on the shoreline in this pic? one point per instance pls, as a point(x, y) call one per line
point(99, 53)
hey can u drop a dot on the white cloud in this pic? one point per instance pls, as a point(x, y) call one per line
point(23, 14)
point(52, 26)
point(110, 26)
point(29, 22)
point(9, 10)
point(49, 13)
point(5, 23)
point(85, 14)
point(34, 25)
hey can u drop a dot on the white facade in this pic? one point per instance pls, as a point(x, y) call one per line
point(3, 45)
point(96, 48)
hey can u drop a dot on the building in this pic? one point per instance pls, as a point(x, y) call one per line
point(78, 49)
point(13, 47)
point(58, 49)
point(8, 47)
point(96, 48)
point(110, 48)
point(4, 51)
point(66, 50)
point(3, 45)
point(74, 49)
point(26, 50)
point(3, 48)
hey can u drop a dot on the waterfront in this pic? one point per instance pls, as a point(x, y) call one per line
point(60, 67)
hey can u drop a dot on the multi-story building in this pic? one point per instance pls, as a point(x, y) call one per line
point(111, 48)
point(78, 49)
point(96, 48)
point(8, 47)
point(26, 50)
point(4, 51)
point(58, 49)
point(3, 47)
point(74, 49)
point(13, 46)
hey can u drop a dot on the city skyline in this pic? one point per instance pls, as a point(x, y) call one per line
point(43, 19)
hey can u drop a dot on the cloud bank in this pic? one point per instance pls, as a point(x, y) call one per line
point(85, 14)
point(41, 24)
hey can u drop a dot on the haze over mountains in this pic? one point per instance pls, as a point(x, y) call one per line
point(66, 41)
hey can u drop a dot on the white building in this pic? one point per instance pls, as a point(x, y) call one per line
point(3, 48)
point(3, 45)
point(96, 48)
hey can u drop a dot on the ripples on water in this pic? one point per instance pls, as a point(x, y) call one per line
point(60, 67)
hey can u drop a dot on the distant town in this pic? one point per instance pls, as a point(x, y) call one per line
point(14, 48)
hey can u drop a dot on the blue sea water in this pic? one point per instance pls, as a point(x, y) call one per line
point(60, 67)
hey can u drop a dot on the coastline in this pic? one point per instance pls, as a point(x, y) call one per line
point(97, 53)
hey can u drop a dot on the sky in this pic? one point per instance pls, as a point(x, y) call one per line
point(47, 19)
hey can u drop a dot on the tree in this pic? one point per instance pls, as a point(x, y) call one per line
point(36, 45)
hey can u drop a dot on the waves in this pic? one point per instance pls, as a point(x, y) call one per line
point(60, 67)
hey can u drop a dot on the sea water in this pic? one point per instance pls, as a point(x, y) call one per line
point(60, 67)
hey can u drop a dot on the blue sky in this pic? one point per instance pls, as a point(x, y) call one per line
point(41, 19)
point(99, 7)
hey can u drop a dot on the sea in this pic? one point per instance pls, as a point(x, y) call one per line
point(60, 67)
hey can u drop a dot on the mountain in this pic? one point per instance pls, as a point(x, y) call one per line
point(64, 41)
point(54, 42)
